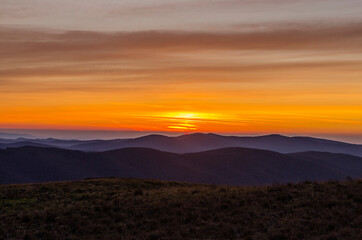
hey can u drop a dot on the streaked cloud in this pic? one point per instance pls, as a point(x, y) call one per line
point(95, 46)
point(128, 15)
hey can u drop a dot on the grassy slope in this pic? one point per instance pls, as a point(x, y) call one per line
point(141, 209)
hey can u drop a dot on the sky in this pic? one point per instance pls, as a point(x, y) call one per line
point(224, 66)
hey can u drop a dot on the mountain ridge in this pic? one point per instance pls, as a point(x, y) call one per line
point(230, 166)
point(198, 142)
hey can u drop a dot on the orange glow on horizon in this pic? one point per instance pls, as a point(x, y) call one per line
point(185, 121)
point(228, 82)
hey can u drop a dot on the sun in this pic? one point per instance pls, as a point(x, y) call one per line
point(184, 115)
point(186, 121)
point(189, 115)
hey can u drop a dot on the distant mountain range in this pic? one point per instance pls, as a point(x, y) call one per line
point(14, 135)
point(195, 143)
point(232, 166)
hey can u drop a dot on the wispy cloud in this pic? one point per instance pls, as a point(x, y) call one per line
point(125, 45)
point(62, 60)
point(168, 6)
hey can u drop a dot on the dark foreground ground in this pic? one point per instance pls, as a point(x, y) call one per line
point(141, 209)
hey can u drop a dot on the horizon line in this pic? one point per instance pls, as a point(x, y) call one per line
point(82, 134)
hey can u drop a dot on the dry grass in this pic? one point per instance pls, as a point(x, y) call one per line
point(146, 209)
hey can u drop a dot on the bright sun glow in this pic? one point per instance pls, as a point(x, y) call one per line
point(186, 121)
point(186, 115)
point(190, 115)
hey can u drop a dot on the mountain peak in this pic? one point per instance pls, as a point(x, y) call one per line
point(197, 135)
point(153, 136)
point(276, 135)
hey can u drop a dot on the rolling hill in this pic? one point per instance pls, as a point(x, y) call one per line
point(199, 142)
point(232, 166)
point(202, 142)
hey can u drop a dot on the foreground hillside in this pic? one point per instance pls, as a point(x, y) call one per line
point(229, 166)
point(145, 209)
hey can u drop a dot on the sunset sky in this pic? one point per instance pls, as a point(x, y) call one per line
point(224, 66)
